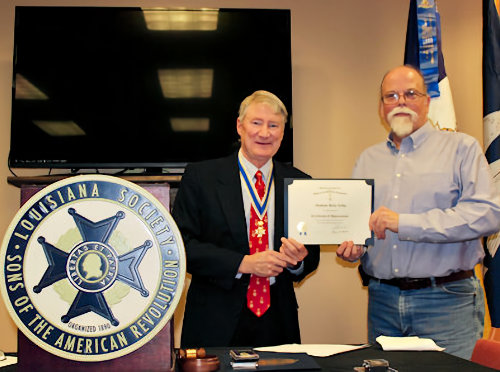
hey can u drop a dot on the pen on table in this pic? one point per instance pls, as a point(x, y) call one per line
point(263, 363)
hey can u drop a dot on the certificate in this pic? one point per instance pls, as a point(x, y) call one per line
point(328, 211)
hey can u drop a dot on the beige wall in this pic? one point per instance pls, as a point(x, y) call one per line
point(341, 49)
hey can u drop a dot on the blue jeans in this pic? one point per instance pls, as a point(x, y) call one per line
point(451, 314)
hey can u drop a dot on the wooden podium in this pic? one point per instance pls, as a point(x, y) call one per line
point(156, 355)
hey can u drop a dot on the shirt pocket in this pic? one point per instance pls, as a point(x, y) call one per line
point(433, 190)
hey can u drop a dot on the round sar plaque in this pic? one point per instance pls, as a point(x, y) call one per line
point(93, 267)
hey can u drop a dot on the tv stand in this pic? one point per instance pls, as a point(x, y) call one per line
point(136, 178)
point(155, 171)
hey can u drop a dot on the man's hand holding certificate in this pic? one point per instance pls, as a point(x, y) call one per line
point(328, 211)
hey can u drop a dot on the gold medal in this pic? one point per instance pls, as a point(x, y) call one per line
point(259, 231)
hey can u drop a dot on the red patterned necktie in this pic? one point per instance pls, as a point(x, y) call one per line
point(258, 298)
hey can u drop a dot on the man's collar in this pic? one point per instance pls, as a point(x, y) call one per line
point(251, 169)
point(416, 138)
point(421, 134)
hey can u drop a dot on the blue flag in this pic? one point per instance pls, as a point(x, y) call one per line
point(423, 50)
point(491, 118)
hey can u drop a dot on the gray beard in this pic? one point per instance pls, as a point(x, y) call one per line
point(401, 126)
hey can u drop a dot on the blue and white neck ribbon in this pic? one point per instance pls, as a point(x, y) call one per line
point(260, 205)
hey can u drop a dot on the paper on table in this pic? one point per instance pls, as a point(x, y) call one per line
point(408, 343)
point(318, 350)
point(8, 361)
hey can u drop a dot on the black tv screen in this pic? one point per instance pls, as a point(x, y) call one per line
point(115, 87)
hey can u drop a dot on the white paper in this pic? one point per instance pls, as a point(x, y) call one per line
point(413, 343)
point(317, 350)
point(8, 361)
point(329, 211)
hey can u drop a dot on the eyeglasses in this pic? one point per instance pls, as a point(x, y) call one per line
point(410, 95)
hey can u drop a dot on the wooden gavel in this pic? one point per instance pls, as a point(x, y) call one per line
point(192, 353)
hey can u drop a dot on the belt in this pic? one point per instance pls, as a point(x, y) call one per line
point(419, 283)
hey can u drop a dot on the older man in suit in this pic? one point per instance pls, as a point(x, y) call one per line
point(230, 214)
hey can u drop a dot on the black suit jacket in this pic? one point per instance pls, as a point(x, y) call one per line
point(209, 212)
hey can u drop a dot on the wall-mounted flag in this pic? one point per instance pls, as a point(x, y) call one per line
point(423, 50)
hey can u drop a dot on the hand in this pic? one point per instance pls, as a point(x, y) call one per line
point(293, 250)
point(348, 251)
point(265, 264)
point(382, 219)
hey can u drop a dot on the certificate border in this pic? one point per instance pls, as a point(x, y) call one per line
point(289, 181)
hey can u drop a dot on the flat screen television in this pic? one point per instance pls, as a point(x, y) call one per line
point(135, 88)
